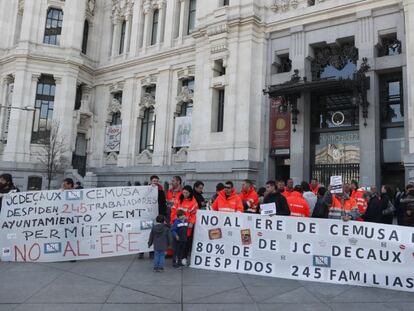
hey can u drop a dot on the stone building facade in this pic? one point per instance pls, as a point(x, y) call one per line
point(130, 82)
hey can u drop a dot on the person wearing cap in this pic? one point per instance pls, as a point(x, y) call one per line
point(228, 200)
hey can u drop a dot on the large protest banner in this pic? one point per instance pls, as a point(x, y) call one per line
point(322, 250)
point(59, 225)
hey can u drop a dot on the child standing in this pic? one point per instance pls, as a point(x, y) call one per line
point(179, 232)
point(161, 238)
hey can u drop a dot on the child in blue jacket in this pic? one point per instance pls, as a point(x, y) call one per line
point(179, 232)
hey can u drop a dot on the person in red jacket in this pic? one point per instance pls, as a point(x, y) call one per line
point(358, 195)
point(297, 204)
point(249, 197)
point(228, 200)
point(173, 194)
point(288, 189)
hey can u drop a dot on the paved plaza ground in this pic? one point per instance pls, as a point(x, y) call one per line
point(127, 283)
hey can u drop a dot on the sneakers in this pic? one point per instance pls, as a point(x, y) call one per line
point(184, 262)
point(156, 269)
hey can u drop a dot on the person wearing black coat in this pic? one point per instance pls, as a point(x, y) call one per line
point(198, 194)
point(386, 204)
point(162, 201)
point(374, 209)
point(274, 196)
point(6, 186)
point(321, 209)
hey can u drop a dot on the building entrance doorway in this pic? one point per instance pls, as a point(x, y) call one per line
point(335, 149)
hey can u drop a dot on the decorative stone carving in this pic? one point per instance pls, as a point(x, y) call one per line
point(90, 7)
point(121, 9)
point(181, 156)
point(111, 158)
point(20, 8)
point(186, 95)
point(114, 106)
point(186, 73)
point(149, 81)
point(284, 5)
point(86, 103)
point(116, 87)
point(145, 157)
point(217, 29)
point(147, 100)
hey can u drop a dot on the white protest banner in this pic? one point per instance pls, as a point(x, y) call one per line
point(182, 132)
point(113, 138)
point(322, 250)
point(268, 209)
point(59, 225)
point(336, 184)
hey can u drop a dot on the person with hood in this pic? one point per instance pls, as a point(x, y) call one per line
point(188, 204)
point(298, 206)
point(273, 195)
point(249, 197)
point(228, 200)
point(6, 186)
point(407, 209)
point(387, 205)
point(160, 237)
point(198, 194)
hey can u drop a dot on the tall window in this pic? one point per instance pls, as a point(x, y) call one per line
point(116, 116)
point(225, 2)
point(148, 130)
point(191, 16)
point(154, 32)
point(122, 41)
point(220, 112)
point(78, 98)
point(53, 26)
point(85, 37)
point(45, 99)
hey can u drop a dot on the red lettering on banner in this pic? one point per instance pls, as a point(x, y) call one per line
point(119, 241)
point(38, 252)
point(78, 250)
point(105, 244)
point(132, 242)
point(68, 248)
point(22, 255)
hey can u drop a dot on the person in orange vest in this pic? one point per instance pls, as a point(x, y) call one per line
point(314, 185)
point(288, 189)
point(188, 204)
point(358, 195)
point(298, 206)
point(341, 205)
point(228, 200)
point(173, 194)
point(249, 197)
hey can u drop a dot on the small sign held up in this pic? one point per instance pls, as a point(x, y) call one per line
point(268, 209)
point(336, 184)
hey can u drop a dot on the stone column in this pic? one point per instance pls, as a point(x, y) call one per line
point(181, 29)
point(116, 36)
point(162, 113)
point(409, 99)
point(74, 16)
point(64, 108)
point(170, 23)
point(369, 136)
point(127, 38)
point(147, 24)
point(136, 28)
point(161, 21)
point(16, 150)
point(30, 23)
point(4, 103)
point(125, 152)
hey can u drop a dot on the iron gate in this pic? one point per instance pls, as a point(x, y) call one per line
point(323, 172)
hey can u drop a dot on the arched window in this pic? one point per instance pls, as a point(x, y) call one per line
point(122, 41)
point(53, 28)
point(154, 33)
point(85, 37)
point(191, 16)
point(148, 130)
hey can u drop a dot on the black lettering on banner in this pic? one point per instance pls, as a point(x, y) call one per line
point(209, 220)
point(302, 227)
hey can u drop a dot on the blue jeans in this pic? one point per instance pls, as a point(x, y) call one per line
point(159, 259)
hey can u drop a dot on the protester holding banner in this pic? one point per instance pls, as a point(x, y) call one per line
point(162, 203)
point(374, 211)
point(273, 195)
point(298, 206)
point(407, 209)
point(249, 197)
point(387, 206)
point(358, 195)
point(342, 206)
point(321, 209)
point(228, 200)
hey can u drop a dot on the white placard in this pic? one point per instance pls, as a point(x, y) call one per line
point(61, 225)
point(113, 138)
point(182, 133)
point(268, 209)
point(322, 250)
point(336, 184)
